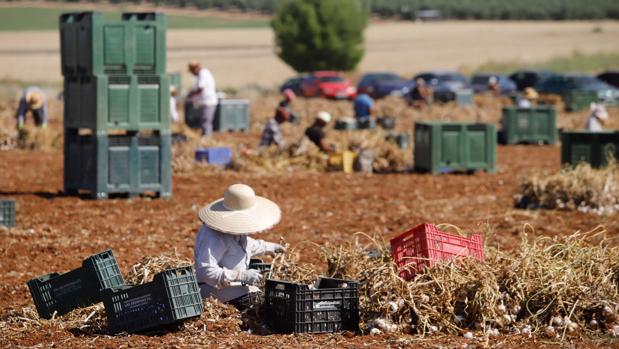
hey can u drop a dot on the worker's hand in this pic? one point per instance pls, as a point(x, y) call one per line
point(250, 277)
point(44, 126)
point(274, 248)
point(20, 124)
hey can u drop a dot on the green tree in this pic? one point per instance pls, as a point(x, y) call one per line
point(320, 34)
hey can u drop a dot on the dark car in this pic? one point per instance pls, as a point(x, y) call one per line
point(563, 84)
point(610, 77)
point(445, 84)
point(479, 83)
point(379, 85)
point(294, 84)
point(529, 78)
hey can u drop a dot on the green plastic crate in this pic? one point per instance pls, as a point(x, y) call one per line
point(591, 147)
point(578, 100)
point(90, 44)
point(80, 287)
point(121, 102)
point(232, 115)
point(529, 125)
point(7, 212)
point(442, 147)
point(104, 164)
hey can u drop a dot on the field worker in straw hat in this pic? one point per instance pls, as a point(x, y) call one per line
point(597, 118)
point(33, 100)
point(420, 94)
point(204, 96)
point(224, 247)
point(316, 134)
point(528, 98)
point(272, 133)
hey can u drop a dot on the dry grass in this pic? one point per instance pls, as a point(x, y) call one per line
point(581, 188)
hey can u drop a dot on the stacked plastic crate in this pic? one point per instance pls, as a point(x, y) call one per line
point(116, 104)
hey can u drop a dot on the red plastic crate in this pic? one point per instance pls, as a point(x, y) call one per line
point(425, 245)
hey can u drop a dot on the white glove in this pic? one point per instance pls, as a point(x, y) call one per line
point(250, 277)
point(273, 248)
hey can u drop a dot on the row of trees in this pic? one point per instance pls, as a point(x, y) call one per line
point(457, 9)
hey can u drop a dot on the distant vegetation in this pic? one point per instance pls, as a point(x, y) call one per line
point(456, 9)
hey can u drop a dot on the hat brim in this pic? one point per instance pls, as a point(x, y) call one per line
point(262, 216)
point(38, 103)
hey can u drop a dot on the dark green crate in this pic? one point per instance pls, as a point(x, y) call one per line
point(594, 148)
point(176, 80)
point(122, 102)
point(578, 100)
point(104, 164)
point(81, 287)
point(90, 44)
point(7, 213)
point(232, 115)
point(442, 147)
point(529, 125)
point(172, 296)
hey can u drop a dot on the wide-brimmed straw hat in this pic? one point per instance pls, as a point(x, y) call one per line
point(34, 100)
point(240, 212)
point(530, 93)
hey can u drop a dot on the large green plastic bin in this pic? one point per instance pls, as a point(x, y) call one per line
point(90, 44)
point(578, 100)
point(591, 147)
point(104, 164)
point(123, 102)
point(529, 125)
point(442, 147)
point(231, 115)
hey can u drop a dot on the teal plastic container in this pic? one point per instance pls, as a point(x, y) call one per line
point(443, 147)
point(529, 125)
point(103, 164)
point(232, 115)
point(594, 148)
point(117, 102)
point(90, 44)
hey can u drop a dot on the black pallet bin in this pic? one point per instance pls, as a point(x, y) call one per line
point(7, 213)
point(81, 287)
point(333, 305)
point(172, 296)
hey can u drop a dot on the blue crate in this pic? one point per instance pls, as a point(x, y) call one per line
point(7, 212)
point(220, 156)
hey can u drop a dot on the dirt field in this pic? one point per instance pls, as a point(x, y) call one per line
point(241, 57)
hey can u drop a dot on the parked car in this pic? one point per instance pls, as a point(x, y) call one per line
point(328, 84)
point(562, 84)
point(383, 84)
point(444, 84)
point(610, 77)
point(294, 84)
point(479, 83)
point(529, 78)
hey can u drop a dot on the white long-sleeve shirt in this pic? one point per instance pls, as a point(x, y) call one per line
point(593, 124)
point(206, 82)
point(219, 260)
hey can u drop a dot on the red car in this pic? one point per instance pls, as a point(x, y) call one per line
point(328, 84)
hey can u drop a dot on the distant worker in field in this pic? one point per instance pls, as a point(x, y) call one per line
point(32, 100)
point(528, 98)
point(173, 111)
point(493, 86)
point(420, 94)
point(223, 246)
point(597, 118)
point(316, 134)
point(364, 107)
point(204, 96)
point(272, 133)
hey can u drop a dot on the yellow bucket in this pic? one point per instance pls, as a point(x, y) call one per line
point(343, 161)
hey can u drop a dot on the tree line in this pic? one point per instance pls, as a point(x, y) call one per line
point(453, 9)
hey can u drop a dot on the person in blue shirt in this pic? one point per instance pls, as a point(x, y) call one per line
point(364, 106)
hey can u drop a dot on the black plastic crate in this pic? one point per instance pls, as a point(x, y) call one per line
point(7, 213)
point(171, 297)
point(256, 263)
point(80, 287)
point(333, 305)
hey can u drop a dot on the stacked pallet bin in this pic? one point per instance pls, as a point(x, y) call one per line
point(116, 104)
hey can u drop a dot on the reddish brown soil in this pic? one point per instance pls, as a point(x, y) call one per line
point(55, 232)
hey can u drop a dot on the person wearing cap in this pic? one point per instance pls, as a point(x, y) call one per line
point(223, 246)
point(316, 134)
point(364, 107)
point(33, 100)
point(420, 94)
point(173, 111)
point(597, 118)
point(528, 98)
point(204, 96)
point(493, 86)
point(272, 133)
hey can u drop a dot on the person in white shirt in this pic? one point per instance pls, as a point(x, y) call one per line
point(223, 247)
point(173, 111)
point(203, 96)
point(528, 98)
point(597, 118)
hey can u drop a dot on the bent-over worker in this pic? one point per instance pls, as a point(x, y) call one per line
point(316, 132)
point(32, 100)
point(597, 118)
